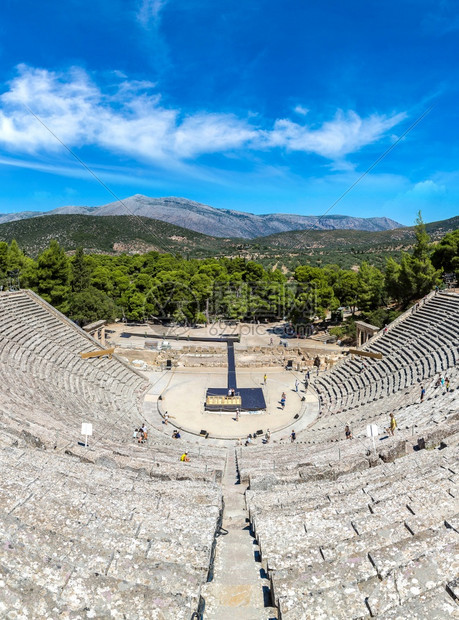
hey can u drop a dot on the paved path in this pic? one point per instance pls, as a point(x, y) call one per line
point(240, 588)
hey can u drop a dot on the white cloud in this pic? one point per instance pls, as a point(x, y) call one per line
point(426, 195)
point(345, 134)
point(130, 119)
point(299, 109)
point(426, 189)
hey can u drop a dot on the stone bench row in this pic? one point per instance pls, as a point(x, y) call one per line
point(342, 549)
point(75, 522)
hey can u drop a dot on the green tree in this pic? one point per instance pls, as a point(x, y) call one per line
point(421, 250)
point(392, 279)
point(369, 287)
point(3, 259)
point(53, 276)
point(346, 289)
point(16, 257)
point(90, 304)
point(446, 254)
point(80, 271)
point(416, 276)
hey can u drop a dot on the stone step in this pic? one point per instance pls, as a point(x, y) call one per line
point(247, 613)
point(415, 579)
point(398, 554)
point(435, 605)
point(341, 603)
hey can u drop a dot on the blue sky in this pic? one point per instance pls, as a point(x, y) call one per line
point(258, 106)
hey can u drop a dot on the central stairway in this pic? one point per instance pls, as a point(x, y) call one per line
point(240, 588)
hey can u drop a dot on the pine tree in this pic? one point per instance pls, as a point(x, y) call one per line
point(16, 258)
point(53, 276)
point(80, 271)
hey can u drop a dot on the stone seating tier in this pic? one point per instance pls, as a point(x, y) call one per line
point(92, 541)
point(376, 542)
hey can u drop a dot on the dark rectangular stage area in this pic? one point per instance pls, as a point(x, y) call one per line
point(252, 399)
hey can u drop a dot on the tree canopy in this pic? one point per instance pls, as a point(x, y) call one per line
point(164, 286)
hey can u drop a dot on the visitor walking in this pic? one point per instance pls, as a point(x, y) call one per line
point(348, 432)
point(297, 385)
point(423, 393)
point(265, 378)
point(392, 424)
point(292, 436)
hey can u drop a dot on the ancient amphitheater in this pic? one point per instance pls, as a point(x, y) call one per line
point(321, 528)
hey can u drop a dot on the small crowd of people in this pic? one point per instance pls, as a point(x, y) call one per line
point(443, 382)
point(140, 434)
point(251, 438)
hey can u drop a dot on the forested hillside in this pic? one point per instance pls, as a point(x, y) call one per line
point(132, 234)
point(162, 286)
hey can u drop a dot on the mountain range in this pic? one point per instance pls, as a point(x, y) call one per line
point(204, 219)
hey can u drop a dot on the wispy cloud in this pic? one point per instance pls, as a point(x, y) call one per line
point(148, 13)
point(345, 134)
point(131, 120)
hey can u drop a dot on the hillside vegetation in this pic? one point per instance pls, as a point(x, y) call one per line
point(110, 234)
point(133, 235)
point(159, 285)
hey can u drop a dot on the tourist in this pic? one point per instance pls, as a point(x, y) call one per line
point(271, 341)
point(267, 435)
point(423, 392)
point(176, 434)
point(134, 435)
point(237, 415)
point(292, 436)
point(166, 417)
point(297, 385)
point(265, 378)
point(248, 441)
point(447, 384)
point(348, 432)
point(185, 458)
point(392, 425)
